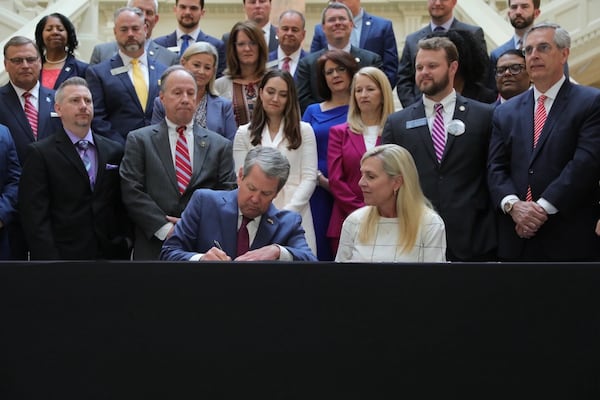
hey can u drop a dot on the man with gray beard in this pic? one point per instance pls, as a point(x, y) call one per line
point(124, 86)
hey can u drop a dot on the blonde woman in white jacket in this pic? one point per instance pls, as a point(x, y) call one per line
point(276, 123)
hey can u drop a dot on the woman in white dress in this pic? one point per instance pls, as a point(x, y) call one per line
point(276, 123)
point(397, 224)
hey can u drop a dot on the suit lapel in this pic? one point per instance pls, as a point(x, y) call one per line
point(45, 104)
point(560, 103)
point(527, 124)
point(117, 62)
point(67, 149)
point(162, 147)
point(358, 142)
point(15, 107)
point(418, 112)
point(153, 78)
point(201, 149)
point(461, 109)
point(366, 29)
point(266, 229)
point(229, 220)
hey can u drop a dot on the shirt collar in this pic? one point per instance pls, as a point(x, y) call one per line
point(446, 25)
point(294, 56)
point(143, 59)
point(446, 101)
point(194, 34)
point(550, 93)
point(189, 127)
point(35, 91)
point(74, 138)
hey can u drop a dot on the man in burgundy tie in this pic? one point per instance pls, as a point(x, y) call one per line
point(69, 193)
point(291, 34)
point(543, 163)
point(243, 224)
point(448, 135)
point(166, 162)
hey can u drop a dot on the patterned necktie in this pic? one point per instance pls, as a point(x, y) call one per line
point(183, 166)
point(83, 146)
point(438, 134)
point(439, 28)
point(139, 83)
point(31, 113)
point(185, 42)
point(286, 64)
point(243, 237)
point(539, 119)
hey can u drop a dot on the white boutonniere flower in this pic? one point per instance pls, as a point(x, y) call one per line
point(456, 127)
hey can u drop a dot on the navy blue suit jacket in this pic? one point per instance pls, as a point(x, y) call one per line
point(408, 92)
point(457, 187)
point(10, 172)
point(13, 116)
point(117, 109)
point(564, 169)
point(194, 235)
point(73, 67)
point(170, 42)
point(377, 35)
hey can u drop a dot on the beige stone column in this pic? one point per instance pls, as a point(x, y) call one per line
point(279, 6)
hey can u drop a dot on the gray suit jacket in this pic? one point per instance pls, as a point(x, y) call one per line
point(103, 51)
point(149, 185)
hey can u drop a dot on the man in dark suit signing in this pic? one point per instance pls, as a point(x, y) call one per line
point(442, 19)
point(161, 54)
point(69, 193)
point(166, 162)
point(244, 224)
point(543, 167)
point(337, 26)
point(448, 137)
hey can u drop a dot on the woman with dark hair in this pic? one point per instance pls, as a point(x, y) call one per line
point(246, 58)
point(56, 39)
point(334, 72)
point(276, 123)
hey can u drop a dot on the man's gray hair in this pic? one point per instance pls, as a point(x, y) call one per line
point(336, 6)
point(271, 161)
point(293, 12)
point(73, 81)
point(134, 10)
point(562, 39)
point(155, 3)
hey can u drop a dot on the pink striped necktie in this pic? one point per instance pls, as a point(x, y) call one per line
point(183, 165)
point(539, 120)
point(438, 134)
point(31, 113)
point(286, 64)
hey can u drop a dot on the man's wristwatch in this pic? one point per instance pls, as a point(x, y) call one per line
point(508, 206)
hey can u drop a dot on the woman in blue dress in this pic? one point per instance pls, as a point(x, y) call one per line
point(335, 69)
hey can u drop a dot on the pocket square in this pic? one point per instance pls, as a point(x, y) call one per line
point(110, 167)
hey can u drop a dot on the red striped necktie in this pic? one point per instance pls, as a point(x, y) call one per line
point(183, 165)
point(539, 120)
point(31, 113)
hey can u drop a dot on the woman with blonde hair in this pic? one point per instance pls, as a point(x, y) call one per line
point(371, 102)
point(246, 58)
point(398, 223)
point(213, 112)
point(276, 123)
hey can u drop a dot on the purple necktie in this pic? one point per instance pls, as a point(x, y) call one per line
point(438, 134)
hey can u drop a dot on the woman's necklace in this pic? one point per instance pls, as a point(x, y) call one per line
point(56, 62)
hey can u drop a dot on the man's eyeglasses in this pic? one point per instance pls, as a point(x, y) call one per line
point(19, 60)
point(339, 70)
point(514, 69)
point(540, 48)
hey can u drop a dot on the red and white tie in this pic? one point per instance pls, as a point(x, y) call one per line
point(31, 113)
point(539, 119)
point(183, 165)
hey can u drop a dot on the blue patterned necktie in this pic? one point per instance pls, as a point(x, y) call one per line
point(185, 42)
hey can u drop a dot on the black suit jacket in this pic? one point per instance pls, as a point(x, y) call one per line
point(407, 90)
point(308, 93)
point(564, 169)
point(73, 67)
point(170, 42)
point(13, 116)
point(63, 218)
point(457, 186)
